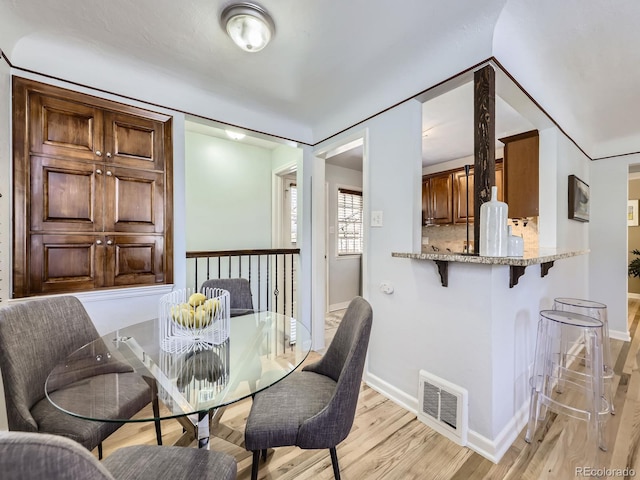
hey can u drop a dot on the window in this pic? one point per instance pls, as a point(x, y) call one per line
point(349, 222)
point(293, 199)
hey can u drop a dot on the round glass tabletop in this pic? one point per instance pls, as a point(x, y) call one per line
point(261, 349)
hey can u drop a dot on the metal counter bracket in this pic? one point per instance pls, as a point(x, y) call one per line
point(443, 270)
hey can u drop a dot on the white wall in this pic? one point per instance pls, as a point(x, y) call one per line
point(228, 194)
point(344, 272)
point(5, 205)
point(608, 238)
point(425, 326)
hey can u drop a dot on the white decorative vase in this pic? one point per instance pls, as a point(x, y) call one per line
point(494, 240)
point(515, 246)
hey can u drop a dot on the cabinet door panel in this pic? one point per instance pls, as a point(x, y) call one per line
point(65, 263)
point(460, 193)
point(134, 260)
point(426, 202)
point(441, 201)
point(133, 141)
point(460, 197)
point(521, 174)
point(64, 128)
point(134, 201)
point(65, 196)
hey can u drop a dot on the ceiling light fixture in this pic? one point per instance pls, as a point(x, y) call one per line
point(234, 135)
point(248, 25)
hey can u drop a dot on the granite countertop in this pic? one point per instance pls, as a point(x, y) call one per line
point(542, 256)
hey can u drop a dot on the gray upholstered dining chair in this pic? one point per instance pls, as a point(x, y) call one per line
point(27, 456)
point(238, 288)
point(314, 408)
point(35, 336)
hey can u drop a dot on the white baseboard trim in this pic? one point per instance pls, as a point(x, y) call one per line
point(338, 306)
point(633, 295)
point(619, 335)
point(492, 450)
point(392, 393)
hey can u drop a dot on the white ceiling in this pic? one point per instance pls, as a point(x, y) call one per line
point(332, 64)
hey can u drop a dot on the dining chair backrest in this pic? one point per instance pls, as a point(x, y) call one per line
point(239, 291)
point(344, 363)
point(27, 455)
point(35, 336)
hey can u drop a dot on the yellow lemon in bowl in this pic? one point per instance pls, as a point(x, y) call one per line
point(183, 315)
point(197, 299)
point(202, 317)
point(212, 306)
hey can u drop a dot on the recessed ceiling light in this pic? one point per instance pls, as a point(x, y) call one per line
point(234, 135)
point(249, 25)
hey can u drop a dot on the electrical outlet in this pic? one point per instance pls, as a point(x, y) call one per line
point(425, 240)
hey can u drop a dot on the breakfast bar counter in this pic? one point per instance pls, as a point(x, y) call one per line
point(543, 257)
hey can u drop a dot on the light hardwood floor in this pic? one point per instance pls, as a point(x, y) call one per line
point(387, 442)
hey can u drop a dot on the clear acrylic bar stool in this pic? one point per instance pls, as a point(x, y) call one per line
point(564, 340)
point(599, 311)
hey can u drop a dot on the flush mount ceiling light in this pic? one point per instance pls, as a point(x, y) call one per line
point(234, 135)
point(248, 25)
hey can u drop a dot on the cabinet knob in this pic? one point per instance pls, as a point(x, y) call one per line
point(108, 154)
point(98, 171)
point(109, 173)
point(98, 153)
point(98, 242)
point(109, 242)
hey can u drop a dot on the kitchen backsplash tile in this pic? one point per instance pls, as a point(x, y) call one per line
point(453, 237)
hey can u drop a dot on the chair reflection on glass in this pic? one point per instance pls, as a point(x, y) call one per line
point(314, 408)
point(36, 335)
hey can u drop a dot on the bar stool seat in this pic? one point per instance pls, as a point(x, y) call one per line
point(598, 311)
point(559, 382)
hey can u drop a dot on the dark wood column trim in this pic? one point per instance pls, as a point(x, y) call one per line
point(484, 138)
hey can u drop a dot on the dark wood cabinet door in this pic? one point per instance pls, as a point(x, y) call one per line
point(132, 141)
point(92, 192)
point(134, 260)
point(65, 263)
point(134, 200)
point(441, 198)
point(64, 128)
point(460, 197)
point(500, 180)
point(426, 202)
point(66, 196)
point(460, 193)
point(521, 174)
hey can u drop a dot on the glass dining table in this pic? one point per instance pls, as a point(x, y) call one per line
point(193, 384)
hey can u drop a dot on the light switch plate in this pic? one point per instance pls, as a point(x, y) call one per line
point(376, 218)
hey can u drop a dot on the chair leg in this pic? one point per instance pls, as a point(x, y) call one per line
point(334, 462)
point(264, 455)
point(100, 451)
point(156, 414)
point(255, 465)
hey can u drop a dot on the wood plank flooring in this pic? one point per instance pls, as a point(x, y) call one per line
point(387, 442)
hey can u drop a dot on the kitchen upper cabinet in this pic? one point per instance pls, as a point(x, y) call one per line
point(437, 207)
point(92, 189)
point(521, 174)
point(460, 192)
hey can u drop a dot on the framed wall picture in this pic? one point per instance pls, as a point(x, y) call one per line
point(632, 213)
point(578, 199)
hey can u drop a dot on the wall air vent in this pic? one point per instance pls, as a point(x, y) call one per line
point(443, 406)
